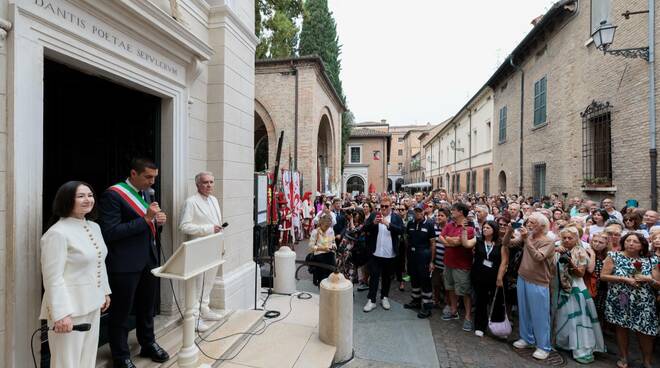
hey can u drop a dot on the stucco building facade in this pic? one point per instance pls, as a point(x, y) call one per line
point(138, 81)
point(366, 161)
point(463, 147)
point(584, 129)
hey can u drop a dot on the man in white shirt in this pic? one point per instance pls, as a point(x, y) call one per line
point(608, 205)
point(201, 217)
point(384, 229)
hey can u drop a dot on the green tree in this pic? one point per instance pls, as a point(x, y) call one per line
point(276, 26)
point(319, 37)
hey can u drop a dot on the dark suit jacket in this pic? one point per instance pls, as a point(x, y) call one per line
point(127, 235)
point(396, 229)
point(341, 223)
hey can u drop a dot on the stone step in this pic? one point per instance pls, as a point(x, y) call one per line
point(235, 322)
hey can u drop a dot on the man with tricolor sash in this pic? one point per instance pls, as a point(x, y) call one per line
point(129, 221)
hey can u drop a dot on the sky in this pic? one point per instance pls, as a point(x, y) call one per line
point(419, 61)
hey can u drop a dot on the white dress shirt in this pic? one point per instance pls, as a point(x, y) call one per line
point(384, 246)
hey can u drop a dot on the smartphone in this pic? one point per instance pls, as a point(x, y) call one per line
point(516, 225)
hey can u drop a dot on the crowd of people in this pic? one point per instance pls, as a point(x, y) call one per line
point(567, 271)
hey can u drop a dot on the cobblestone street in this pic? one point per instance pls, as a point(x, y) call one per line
point(453, 347)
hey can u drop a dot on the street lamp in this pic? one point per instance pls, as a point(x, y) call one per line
point(603, 38)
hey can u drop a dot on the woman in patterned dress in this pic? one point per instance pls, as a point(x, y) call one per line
point(597, 253)
point(630, 304)
point(576, 321)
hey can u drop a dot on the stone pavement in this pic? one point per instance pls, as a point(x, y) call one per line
point(397, 338)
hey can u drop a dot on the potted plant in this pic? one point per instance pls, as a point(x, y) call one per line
point(598, 182)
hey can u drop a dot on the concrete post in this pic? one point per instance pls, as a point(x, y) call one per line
point(336, 315)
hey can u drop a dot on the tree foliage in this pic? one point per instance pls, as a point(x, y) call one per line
point(319, 37)
point(276, 26)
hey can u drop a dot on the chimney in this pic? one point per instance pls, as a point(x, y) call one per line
point(536, 20)
point(383, 121)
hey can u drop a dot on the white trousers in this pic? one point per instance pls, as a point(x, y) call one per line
point(75, 349)
point(209, 280)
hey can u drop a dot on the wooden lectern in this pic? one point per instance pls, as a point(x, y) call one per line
point(191, 260)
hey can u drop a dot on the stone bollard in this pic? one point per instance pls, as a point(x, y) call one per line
point(336, 315)
point(284, 280)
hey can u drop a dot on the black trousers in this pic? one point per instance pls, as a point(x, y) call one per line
point(485, 293)
point(319, 273)
point(420, 276)
point(401, 261)
point(131, 290)
point(380, 269)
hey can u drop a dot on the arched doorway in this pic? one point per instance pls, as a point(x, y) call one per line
point(389, 184)
point(399, 183)
point(355, 184)
point(260, 144)
point(325, 159)
point(501, 180)
point(264, 138)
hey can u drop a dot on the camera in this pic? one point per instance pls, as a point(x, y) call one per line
point(564, 258)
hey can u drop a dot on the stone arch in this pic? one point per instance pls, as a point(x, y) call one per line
point(398, 184)
point(355, 183)
point(325, 154)
point(501, 180)
point(389, 185)
point(265, 140)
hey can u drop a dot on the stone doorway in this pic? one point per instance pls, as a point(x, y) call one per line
point(92, 128)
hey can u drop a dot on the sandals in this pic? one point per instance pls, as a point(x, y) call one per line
point(622, 363)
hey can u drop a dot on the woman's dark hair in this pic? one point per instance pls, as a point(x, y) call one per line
point(358, 216)
point(370, 205)
point(644, 252)
point(65, 199)
point(496, 230)
point(602, 212)
point(637, 219)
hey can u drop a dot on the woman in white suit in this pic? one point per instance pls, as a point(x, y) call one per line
point(75, 279)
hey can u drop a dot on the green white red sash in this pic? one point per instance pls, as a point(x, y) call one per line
point(134, 200)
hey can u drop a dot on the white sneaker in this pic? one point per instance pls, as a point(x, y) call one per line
point(386, 303)
point(479, 333)
point(200, 326)
point(210, 315)
point(541, 354)
point(369, 306)
point(521, 344)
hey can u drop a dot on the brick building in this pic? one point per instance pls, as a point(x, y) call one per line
point(295, 96)
point(584, 130)
point(367, 159)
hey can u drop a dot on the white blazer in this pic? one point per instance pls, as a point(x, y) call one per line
point(198, 218)
point(73, 268)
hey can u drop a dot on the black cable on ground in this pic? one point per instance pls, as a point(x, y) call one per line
point(344, 362)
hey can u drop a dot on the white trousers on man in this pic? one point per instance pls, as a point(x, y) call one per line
point(208, 280)
point(75, 349)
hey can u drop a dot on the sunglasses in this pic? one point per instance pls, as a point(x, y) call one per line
point(629, 220)
point(384, 206)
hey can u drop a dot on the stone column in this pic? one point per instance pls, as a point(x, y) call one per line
point(230, 145)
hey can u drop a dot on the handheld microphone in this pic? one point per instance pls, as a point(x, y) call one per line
point(224, 225)
point(151, 195)
point(82, 327)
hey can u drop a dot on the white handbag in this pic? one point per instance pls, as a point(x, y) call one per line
point(499, 329)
